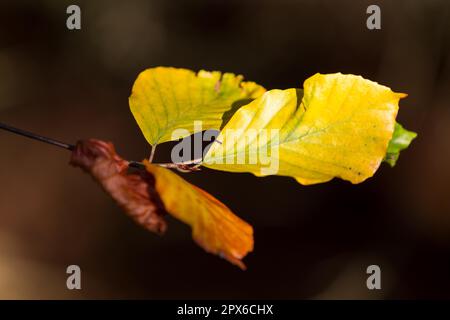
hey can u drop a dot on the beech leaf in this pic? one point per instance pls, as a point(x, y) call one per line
point(340, 126)
point(401, 139)
point(164, 99)
point(214, 227)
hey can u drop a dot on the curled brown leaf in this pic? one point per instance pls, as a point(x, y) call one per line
point(134, 192)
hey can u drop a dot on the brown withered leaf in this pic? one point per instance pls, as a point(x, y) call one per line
point(146, 194)
point(134, 192)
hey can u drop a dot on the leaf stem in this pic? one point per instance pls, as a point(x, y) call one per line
point(152, 153)
point(36, 137)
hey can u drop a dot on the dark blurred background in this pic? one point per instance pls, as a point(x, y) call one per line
point(311, 242)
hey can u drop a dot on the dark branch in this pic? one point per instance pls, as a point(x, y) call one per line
point(36, 137)
point(188, 166)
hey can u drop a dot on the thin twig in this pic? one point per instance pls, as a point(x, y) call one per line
point(136, 165)
point(36, 137)
point(186, 166)
point(182, 167)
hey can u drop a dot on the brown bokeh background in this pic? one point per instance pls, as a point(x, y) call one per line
point(311, 242)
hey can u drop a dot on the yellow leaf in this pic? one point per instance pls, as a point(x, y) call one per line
point(214, 227)
point(164, 99)
point(339, 127)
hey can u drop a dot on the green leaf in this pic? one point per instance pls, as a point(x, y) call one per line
point(401, 139)
point(340, 127)
point(165, 99)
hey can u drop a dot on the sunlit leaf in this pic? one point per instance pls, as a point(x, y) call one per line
point(401, 139)
point(164, 99)
point(340, 127)
point(214, 227)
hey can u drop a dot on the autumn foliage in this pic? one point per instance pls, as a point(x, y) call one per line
point(147, 194)
point(336, 126)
